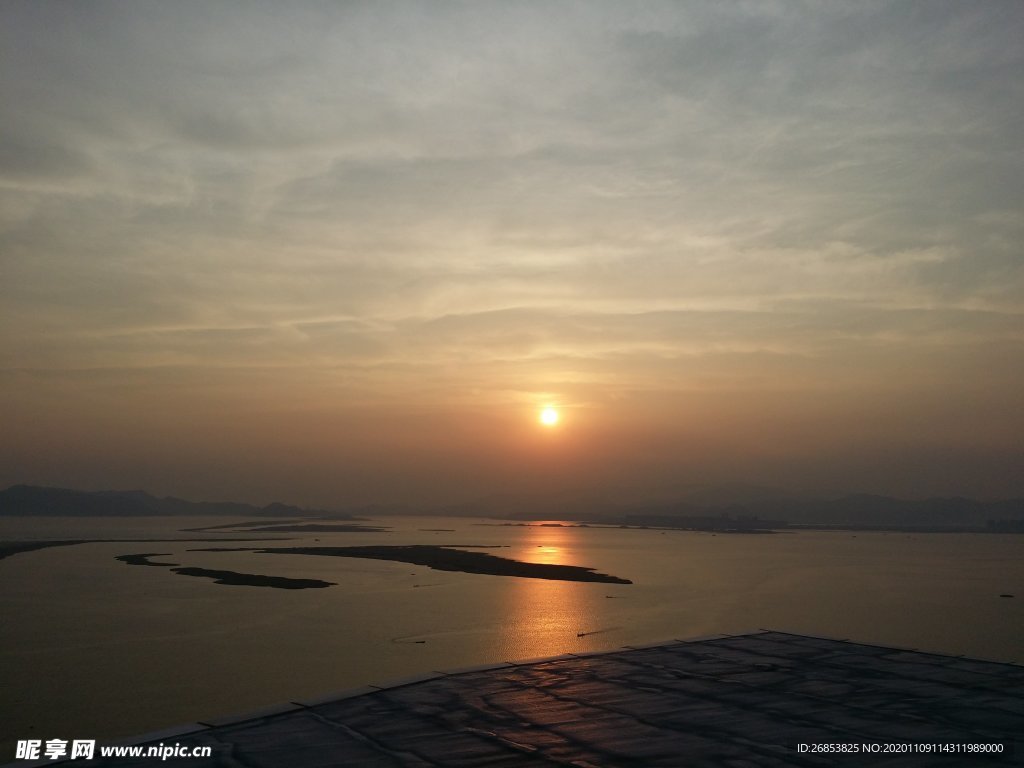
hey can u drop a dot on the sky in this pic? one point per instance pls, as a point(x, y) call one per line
point(343, 253)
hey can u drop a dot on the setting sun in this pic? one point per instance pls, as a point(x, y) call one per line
point(549, 417)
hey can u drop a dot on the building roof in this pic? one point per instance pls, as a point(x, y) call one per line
point(740, 700)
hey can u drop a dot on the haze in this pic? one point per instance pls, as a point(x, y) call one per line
point(339, 253)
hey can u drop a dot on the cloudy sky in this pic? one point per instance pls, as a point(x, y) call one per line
point(335, 253)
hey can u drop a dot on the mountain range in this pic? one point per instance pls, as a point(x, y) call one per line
point(727, 502)
point(40, 501)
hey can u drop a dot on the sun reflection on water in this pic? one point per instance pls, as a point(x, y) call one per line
point(548, 542)
point(547, 615)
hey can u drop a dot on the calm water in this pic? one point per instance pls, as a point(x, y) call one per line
point(91, 647)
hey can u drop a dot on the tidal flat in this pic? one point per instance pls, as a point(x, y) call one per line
point(448, 558)
point(80, 627)
point(229, 578)
point(11, 548)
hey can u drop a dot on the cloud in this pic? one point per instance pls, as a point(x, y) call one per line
point(336, 203)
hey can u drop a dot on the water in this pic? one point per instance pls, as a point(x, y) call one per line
point(93, 648)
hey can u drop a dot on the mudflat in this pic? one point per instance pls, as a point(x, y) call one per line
point(231, 578)
point(446, 558)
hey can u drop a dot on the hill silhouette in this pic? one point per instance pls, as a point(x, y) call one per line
point(64, 502)
point(744, 505)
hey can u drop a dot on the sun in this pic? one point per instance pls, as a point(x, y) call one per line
point(549, 416)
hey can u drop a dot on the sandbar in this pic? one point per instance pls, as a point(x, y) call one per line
point(442, 558)
point(235, 579)
point(10, 548)
point(231, 578)
point(143, 559)
point(318, 528)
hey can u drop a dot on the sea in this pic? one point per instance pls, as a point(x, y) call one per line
point(93, 647)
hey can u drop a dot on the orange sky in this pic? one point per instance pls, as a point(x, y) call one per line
point(337, 255)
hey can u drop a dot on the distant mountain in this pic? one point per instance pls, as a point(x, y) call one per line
point(689, 499)
point(34, 500)
point(748, 502)
point(563, 505)
point(729, 494)
point(872, 510)
point(854, 511)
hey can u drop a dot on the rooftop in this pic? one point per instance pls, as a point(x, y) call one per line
point(741, 700)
